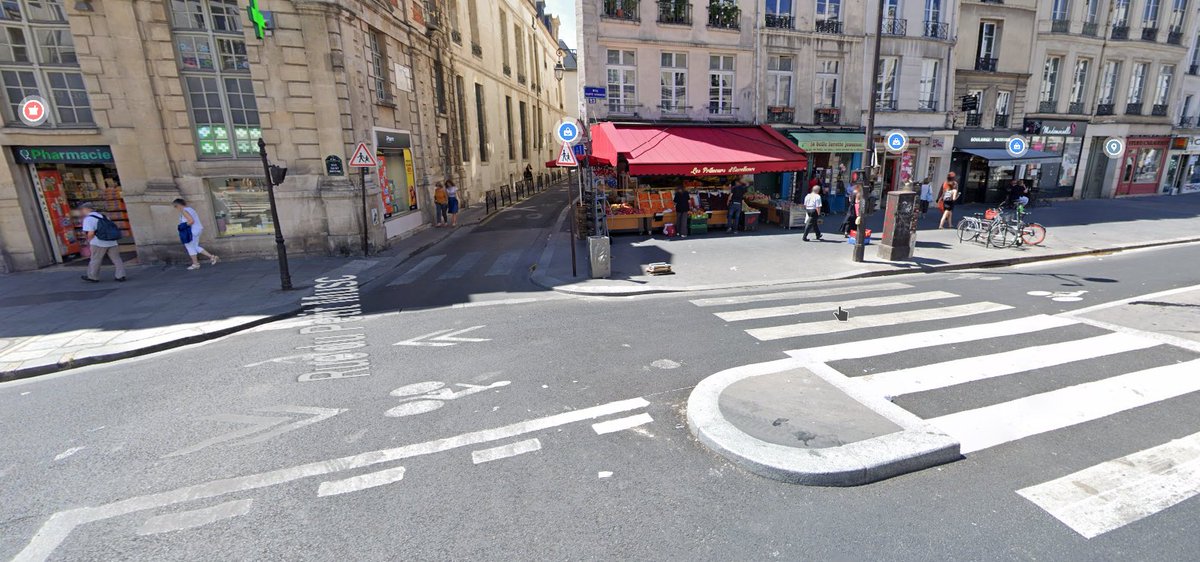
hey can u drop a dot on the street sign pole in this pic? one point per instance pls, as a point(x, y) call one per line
point(860, 243)
point(363, 159)
point(362, 178)
point(285, 275)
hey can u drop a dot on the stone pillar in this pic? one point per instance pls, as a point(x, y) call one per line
point(900, 225)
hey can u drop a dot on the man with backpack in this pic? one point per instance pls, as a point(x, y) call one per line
point(102, 235)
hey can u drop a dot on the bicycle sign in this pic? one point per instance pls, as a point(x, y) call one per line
point(1114, 147)
point(896, 141)
point(1016, 146)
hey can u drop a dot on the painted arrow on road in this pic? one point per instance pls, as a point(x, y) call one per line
point(258, 424)
point(443, 338)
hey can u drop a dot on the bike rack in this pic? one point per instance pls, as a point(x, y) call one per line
point(506, 195)
point(490, 202)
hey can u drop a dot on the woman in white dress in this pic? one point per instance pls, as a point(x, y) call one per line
point(188, 216)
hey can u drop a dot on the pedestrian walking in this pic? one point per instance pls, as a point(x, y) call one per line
point(736, 197)
point(851, 221)
point(452, 202)
point(189, 233)
point(812, 208)
point(683, 204)
point(528, 176)
point(946, 199)
point(102, 237)
point(926, 197)
point(441, 202)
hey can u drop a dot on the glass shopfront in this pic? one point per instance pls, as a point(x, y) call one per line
point(1142, 165)
point(1061, 138)
point(397, 186)
point(241, 206)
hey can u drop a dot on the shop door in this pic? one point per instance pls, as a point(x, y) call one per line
point(1093, 181)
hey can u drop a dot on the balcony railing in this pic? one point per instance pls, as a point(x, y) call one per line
point(1133, 108)
point(1000, 121)
point(986, 64)
point(895, 27)
point(1106, 108)
point(781, 114)
point(723, 15)
point(886, 105)
point(1091, 29)
point(927, 105)
point(1159, 110)
point(1120, 31)
point(1048, 106)
point(936, 30)
point(1060, 26)
point(507, 70)
point(521, 78)
point(626, 10)
point(829, 26)
point(456, 36)
point(1150, 34)
point(615, 106)
point(974, 119)
point(674, 13)
point(780, 21)
point(1187, 122)
point(827, 116)
point(1075, 108)
point(1175, 36)
point(674, 110)
point(721, 109)
point(476, 49)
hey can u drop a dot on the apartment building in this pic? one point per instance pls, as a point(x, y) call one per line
point(1183, 161)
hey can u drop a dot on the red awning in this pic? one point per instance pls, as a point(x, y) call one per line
point(710, 150)
point(592, 161)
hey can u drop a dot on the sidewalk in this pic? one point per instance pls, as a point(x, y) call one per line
point(54, 321)
point(773, 255)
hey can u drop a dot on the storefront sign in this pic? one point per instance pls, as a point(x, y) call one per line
point(726, 171)
point(1190, 145)
point(333, 166)
point(1066, 130)
point(63, 154)
point(830, 142)
point(388, 139)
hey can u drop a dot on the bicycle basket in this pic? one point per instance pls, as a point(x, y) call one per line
point(991, 214)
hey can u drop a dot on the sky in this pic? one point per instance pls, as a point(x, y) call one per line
point(565, 10)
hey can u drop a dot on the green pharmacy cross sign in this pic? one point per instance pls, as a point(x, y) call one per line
point(259, 19)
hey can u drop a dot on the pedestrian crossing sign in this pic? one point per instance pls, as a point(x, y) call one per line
point(566, 156)
point(363, 157)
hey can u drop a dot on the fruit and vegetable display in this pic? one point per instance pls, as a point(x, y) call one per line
point(622, 209)
point(757, 198)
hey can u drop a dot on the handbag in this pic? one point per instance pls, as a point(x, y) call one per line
point(185, 233)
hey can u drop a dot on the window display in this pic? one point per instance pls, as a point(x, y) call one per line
point(241, 206)
point(1148, 162)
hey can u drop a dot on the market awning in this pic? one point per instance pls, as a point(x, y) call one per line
point(592, 161)
point(683, 150)
point(1002, 157)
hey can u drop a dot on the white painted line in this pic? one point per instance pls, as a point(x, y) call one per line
point(1151, 296)
point(1008, 421)
point(506, 451)
point(362, 482)
point(56, 529)
point(811, 307)
point(317, 415)
point(1116, 493)
point(417, 271)
point(970, 369)
point(478, 304)
point(1158, 336)
point(619, 424)
point(920, 340)
point(805, 294)
point(875, 321)
point(195, 518)
point(462, 266)
point(504, 264)
point(68, 453)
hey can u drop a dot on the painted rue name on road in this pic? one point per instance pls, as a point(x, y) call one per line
point(332, 308)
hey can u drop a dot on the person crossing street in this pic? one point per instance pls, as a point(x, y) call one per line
point(812, 207)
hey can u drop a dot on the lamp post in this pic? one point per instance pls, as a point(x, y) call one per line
point(559, 70)
point(285, 277)
point(860, 242)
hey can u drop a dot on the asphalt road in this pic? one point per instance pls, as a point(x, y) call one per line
point(219, 452)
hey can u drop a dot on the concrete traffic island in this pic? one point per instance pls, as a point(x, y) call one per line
point(804, 423)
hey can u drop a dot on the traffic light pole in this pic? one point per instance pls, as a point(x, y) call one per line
point(285, 276)
point(860, 242)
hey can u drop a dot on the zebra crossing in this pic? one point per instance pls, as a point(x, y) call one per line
point(1023, 375)
point(460, 266)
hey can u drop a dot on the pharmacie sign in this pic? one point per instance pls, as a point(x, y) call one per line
point(63, 154)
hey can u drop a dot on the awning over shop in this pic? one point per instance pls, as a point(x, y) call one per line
point(830, 142)
point(1001, 156)
point(696, 150)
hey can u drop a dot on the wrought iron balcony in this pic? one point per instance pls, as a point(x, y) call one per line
point(1091, 29)
point(616, 107)
point(927, 105)
point(986, 64)
point(724, 15)
point(781, 114)
point(937, 30)
point(886, 105)
point(1175, 36)
point(1106, 109)
point(674, 110)
point(1075, 108)
point(780, 21)
point(507, 70)
point(456, 36)
point(1150, 34)
point(721, 109)
point(520, 78)
point(895, 27)
point(827, 116)
point(1133, 108)
point(974, 119)
point(1000, 121)
point(674, 13)
point(1159, 110)
point(1060, 26)
point(1048, 106)
point(626, 10)
point(476, 49)
point(829, 26)
point(1187, 122)
point(1120, 31)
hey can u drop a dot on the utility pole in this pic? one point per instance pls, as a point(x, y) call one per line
point(285, 276)
point(860, 242)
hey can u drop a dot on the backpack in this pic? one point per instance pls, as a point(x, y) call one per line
point(106, 229)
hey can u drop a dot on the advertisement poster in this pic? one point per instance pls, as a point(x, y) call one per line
point(410, 175)
point(906, 167)
point(387, 188)
point(59, 211)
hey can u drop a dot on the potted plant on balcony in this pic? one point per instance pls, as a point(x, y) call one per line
point(724, 13)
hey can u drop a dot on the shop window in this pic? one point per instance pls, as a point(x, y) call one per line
point(215, 72)
point(1146, 165)
point(36, 53)
point(241, 206)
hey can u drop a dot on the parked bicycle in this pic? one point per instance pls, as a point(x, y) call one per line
point(1010, 231)
point(976, 227)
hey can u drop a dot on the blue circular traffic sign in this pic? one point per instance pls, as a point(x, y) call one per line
point(1114, 147)
point(896, 141)
point(567, 131)
point(1016, 146)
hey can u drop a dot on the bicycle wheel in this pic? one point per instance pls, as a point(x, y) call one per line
point(965, 230)
point(1002, 235)
point(1033, 234)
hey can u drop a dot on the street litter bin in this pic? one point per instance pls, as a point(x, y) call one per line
point(600, 256)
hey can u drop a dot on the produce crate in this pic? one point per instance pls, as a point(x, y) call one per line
point(698, 226)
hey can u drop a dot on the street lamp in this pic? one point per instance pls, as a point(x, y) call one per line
point(559, 70)
point(274, 175)
point(860, 242)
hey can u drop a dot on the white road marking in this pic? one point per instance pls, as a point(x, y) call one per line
point(811, 307)
point(874, 321)
point(506, 451)
point(1116, 493)
point(356, 483)
point(619, 424)
point(443, 338)
point(256, 424)
point(477, 304)
point(417, 271)
point(604, 474)
point(504, 264)
point(462, 266)
point(805, 294)
point(317, 415)
point(1149, 297)
point(1008, 421)
point(970, 369)
point(195, 518)
point(68, 453)
point(920, 340)
point(56, 529)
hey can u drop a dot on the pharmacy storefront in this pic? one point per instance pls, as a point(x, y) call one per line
point(397, 182)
